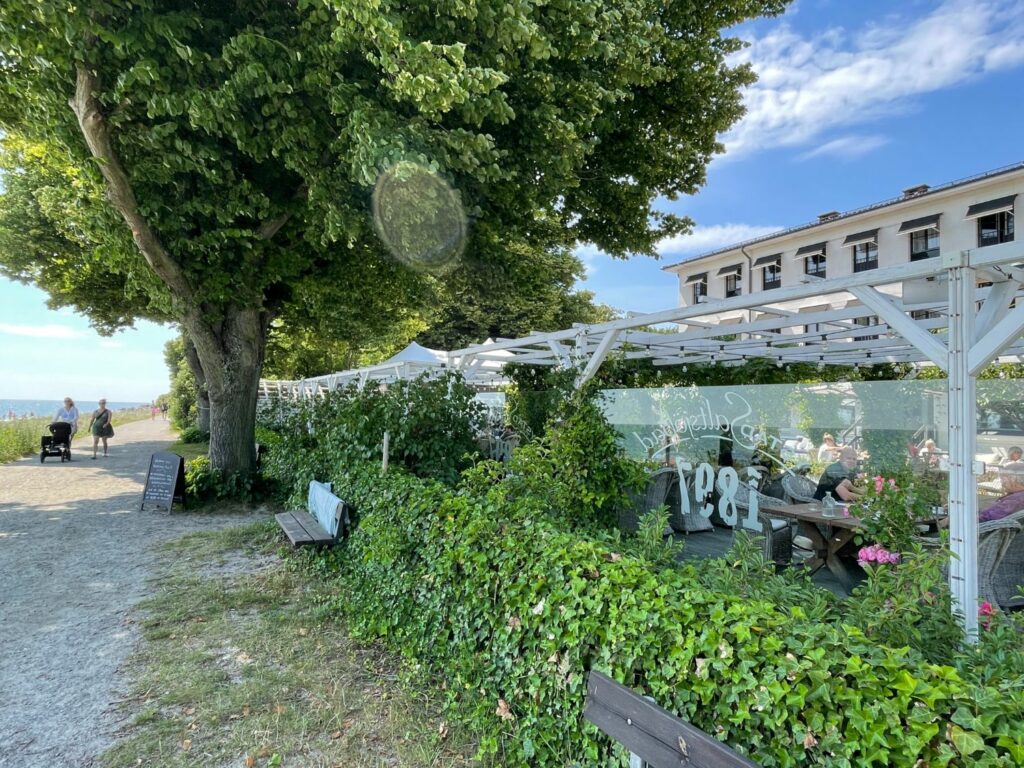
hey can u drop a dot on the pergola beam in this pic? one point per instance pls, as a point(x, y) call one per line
point(607, 341)
point(897, 319)
point(1002, 335)
point(999, 300)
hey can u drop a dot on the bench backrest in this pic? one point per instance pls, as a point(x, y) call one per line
point(330, 511)
point(654, 735)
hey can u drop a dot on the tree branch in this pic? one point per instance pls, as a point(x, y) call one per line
point(96, 131)
point(271, 227)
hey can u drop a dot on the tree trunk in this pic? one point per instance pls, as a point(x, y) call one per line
point(203, 411)
point(202, 393)
point(231, 356)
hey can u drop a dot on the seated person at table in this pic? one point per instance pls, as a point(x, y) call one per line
point(930, 452)
point(1012, 479)
point(1013, 456)
point(837, 478)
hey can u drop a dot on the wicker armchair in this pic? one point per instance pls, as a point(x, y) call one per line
point(799, 488)
point(776, 533)
point(1008, 576)
point(994, 538)
point(693, 522)
point(642, 502)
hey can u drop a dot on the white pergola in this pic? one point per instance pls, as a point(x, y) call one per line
point(860, 319)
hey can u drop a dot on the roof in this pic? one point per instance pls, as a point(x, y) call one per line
point(855, 212)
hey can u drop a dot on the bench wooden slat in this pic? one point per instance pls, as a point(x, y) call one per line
point(293, 529)
point(326, 519)
point(647, 730)
point(302, 532)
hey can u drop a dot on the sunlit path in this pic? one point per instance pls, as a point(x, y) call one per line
point(74, 557)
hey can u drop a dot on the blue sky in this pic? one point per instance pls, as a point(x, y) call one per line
point(47, 355)
point(856, 101)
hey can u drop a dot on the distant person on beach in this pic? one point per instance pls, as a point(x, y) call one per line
point(11, 415)
point(68, 413)
point(100, 427)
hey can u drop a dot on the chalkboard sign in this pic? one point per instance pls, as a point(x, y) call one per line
point(165, 481)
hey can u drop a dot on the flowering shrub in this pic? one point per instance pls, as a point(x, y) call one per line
point(891, 511)
point(876, 553)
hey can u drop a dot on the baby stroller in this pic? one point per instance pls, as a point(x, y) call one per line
point(57, 443)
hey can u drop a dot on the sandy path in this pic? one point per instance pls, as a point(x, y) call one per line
point(75, 553)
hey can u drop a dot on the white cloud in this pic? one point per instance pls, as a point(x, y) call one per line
point(847, 147)
point(841, 77)
point(709, 238)
point(41, 331)
point(589, 254)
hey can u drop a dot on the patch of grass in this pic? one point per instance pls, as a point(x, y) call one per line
point(20, 438)
point(237, 668)
point(190, 450)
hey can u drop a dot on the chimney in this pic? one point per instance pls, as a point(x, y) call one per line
point(920, 189)
point(828, 216)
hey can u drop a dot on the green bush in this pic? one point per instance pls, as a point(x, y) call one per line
point(191, 435)
point(432, 425)
point(485, 588)
point(577, 469)
point(204, 483)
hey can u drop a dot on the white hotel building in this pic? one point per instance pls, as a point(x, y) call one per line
point(970, 213)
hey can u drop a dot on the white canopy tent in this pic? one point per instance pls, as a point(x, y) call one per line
point(931, 311)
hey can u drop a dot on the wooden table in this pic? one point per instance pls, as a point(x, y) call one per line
point(826, 551)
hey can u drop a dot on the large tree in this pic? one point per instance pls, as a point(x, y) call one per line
point(238, 141)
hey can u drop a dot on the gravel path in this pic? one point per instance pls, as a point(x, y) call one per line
point(75, 554)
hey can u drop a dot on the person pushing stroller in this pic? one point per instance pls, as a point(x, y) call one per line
point(68, 413)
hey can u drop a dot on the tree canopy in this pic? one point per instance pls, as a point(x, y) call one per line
point(238, 144)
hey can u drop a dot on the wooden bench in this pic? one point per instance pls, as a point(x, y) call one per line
point(653, 736)
point(327, 519)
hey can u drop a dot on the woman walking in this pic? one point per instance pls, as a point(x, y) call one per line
point(100, 427)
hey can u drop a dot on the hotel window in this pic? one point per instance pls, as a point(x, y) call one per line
point(996, 228)
point(814, 259)
point(866, 322)
point(733, 275)
point(865, 257)
point(923, 314)
point(995, 220)
point(815, 265)
point(924, 244)
point(733, 284)
point(771, 277)
point(700, 288)
point(865, 249)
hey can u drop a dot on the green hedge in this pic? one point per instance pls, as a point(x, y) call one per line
point(484, 588)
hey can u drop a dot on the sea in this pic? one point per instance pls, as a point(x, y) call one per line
point(48, 408)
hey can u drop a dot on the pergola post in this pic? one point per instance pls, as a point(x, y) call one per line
point(963, 423)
